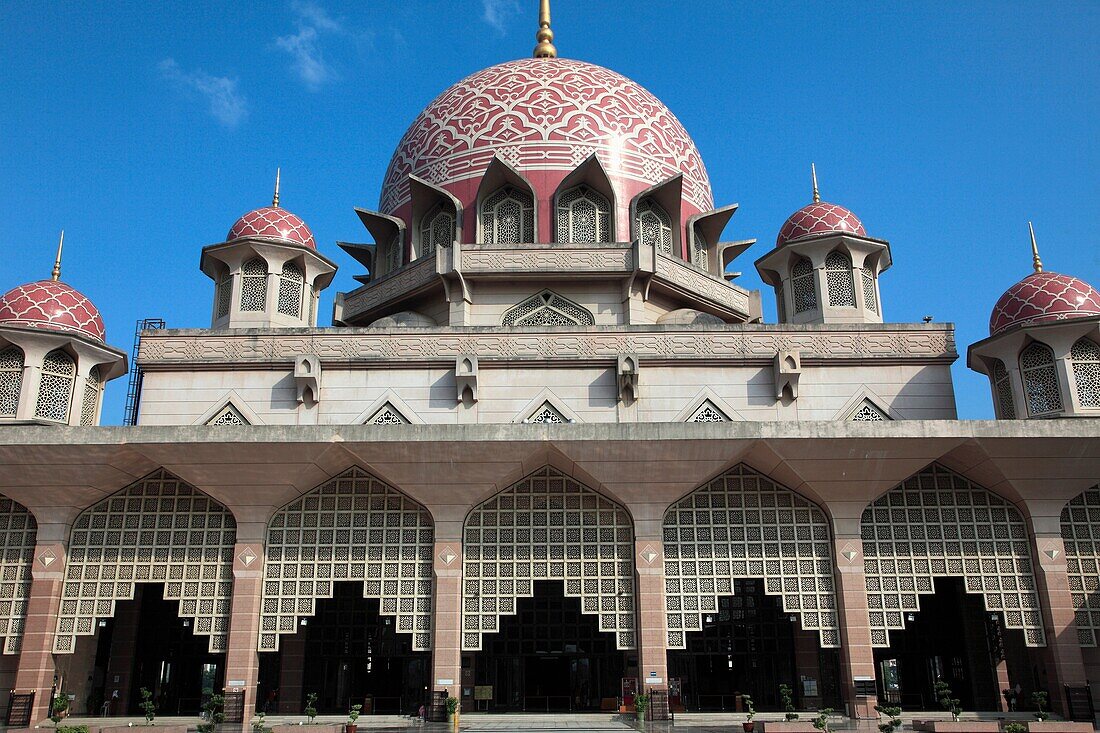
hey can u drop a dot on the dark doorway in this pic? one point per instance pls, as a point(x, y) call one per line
point(550, 657)
point(954, 639)
point(353, 655)
point(748, 647)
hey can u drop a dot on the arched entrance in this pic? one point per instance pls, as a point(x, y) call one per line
point(347, 606)
point(18, 534)
point(950, 591)
point(749, 595)
point(548, 597)
point(146, 598)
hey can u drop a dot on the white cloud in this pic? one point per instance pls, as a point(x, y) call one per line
point(304, 47)
point(312, 14)
point(497, 12)
point(227, 104)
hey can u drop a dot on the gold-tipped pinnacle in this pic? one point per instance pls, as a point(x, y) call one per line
point(275, 198)
point(1035, 261)
point(813, 175)
point(545, 37)
point(56, 275)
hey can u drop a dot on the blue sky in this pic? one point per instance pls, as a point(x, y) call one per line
point(144, 130)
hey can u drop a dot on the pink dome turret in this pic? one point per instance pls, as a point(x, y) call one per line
point(819, 217)
point(272, 222)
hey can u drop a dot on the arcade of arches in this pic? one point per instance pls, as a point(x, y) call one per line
point(549, 598)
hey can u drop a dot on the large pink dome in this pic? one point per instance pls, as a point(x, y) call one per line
point(51, 305)
point(820, 217)
point(271, 222)
point(1042, 297)
point(544, 117)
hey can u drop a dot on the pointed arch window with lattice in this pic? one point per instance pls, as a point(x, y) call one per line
point(437, 230)
point(89, 408)
point(254, 285)
point(352, 528)
point(11, 380)
point(18, 533)
point(654, 226)
point(508, 217)
point(1085, 355)
point(548, 527)
point(55, 390)
point(547, 309)
point(159, 530)
point(803, 287)
point(1002, 389)
point(291, 285)
point(839, 280)
point(937, 524)
point(583, 216)
point(1081, 534)
point(744, 525)
point(1041, 386)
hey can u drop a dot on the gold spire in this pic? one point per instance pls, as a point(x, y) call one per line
point(1035, 261)
point(275, 198)
point(545, 48)
point(56, 275)
point(813, 175)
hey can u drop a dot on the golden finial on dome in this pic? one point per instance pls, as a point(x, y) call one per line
point(56, 275)
point(545, 48)
point(813, 175)
point(1035, 261)
point(275, 198)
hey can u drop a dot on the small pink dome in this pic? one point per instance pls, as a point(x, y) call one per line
point(51, 306)
point(1042, 297)
point(819, 217)
point(272, 222)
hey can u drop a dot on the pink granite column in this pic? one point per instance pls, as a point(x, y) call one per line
point(1063, 660)
point(242, 662)
point(857, 659)
point(447, 629)
point(36, 662)
point(649, 564)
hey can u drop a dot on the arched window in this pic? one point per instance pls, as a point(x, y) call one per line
point(1002, 386)
point(254, 285)
point(654, 226)
point(223, 294)
point(547, 309)
point(1040, 380)
point(55, 391)
point(870, 295)
point(803, 289)
point(508, 217)
point(11, 380)
point(92, 388)
point(392, 255)
point(584, 215)
point(291, 283)
point(1086, 372)
point(838, 275)
point(437, 230)
point(699, 251)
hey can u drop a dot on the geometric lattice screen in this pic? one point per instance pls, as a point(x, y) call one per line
point(744, 525)
point(938, 524)
point(159, 530)
point(352, 528)
point(548, 527)
point(1081, 534)
point(17, 533)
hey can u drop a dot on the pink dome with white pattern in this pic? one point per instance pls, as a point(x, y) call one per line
point(51, 305)
point(819, 217)
point(1042, 297)
point(271, 222)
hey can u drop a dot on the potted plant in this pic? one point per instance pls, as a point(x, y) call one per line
point(59, 708)
point(311, 708)
point(212, 712)
point(748, 725)
point(353, 715)
point(452, 708)
point(892, 713)
point(943, 694)
point(1015, 728)
point(821, 722)
point(258, 724)
point(148, 706)
point(641, 705)
point(1039, 700)
point(788, 703)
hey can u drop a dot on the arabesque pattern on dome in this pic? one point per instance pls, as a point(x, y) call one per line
point(819, 217)
point(51, 305)
point(1042, 297)
point(540, 114)
point(274, 223)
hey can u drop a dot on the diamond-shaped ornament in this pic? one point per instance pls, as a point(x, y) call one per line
point(47, 558)
point(849, 555)
point(447, 556)
point(649, 554)
point(1051, 553)
point(247, 556)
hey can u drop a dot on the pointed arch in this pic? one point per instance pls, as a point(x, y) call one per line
point(584, 205)
point(546, 408)
point(1080, 522)
point(388, 233)
point(1042, 388)
point(1002, 390)
point(158, 530)
point(939, 524)
point(548, 526)
point(18, 535)
point(89, 407)
point(388, 409)
point(436, 216)
point(547, 308)
point(803, 286)
point(231, 409)
point(254, 285)
point(506, 205)
point(740, 525)
point(839, 279)
point(646, 220)
point(708, 406)
point(291, 287)
point(353, 527)
point(12, 363)
point(1085, 355)
point(55, 390)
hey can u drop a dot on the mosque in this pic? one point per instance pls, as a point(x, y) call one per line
point(549, 454)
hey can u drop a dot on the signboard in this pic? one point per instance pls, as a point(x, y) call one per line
point(483, 692)
point(444, 683)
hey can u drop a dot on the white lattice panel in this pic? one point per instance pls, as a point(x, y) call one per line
point(548, 527)
point(18, 533)
point(353, 528)
point(839, 279)
point(1086, 372)
point(938, 524)
point(160, 530)
point(1081, 534)
point(744, 525)
point(1041, 388)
